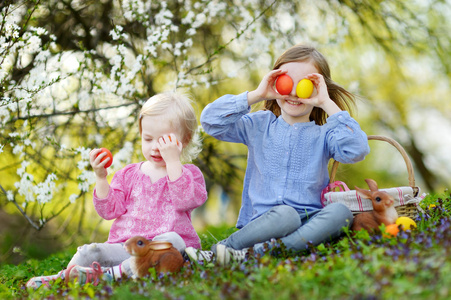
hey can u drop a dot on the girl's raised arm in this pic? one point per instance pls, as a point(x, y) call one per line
point(102, 186)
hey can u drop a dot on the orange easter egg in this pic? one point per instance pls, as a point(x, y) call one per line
point(392, 230)
point(284, 84)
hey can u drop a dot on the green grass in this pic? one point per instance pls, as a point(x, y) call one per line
point(413, 265)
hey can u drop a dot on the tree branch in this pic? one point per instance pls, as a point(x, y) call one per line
point(32, 223)
point(73, 112)
point(239, 33)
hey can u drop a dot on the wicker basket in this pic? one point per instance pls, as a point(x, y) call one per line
point(406, 198)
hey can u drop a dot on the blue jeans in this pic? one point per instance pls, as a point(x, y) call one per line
point(294, 229)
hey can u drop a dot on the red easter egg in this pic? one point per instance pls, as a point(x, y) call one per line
point(108, 154)
point(284, 84)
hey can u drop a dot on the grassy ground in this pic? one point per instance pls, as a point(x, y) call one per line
point(413, 265)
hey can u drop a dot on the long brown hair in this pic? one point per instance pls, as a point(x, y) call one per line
point(302, 53)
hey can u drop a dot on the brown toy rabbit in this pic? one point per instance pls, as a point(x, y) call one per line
point(160, 255)
point(383, 209)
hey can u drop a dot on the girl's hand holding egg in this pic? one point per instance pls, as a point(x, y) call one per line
point(320, 94)
point(108, 155)
point(271, 87)
point(100, 160)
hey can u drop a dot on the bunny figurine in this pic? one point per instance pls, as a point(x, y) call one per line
point(383, 209)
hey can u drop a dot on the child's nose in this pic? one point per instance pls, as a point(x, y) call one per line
point(293, 92)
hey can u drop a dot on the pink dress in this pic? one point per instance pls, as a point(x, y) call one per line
point(141, 207)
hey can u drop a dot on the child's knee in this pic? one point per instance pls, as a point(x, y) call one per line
point(286, 218)
point(88, 249)
point(86, 254)
point(341, 214)
point(287, 213)
point(173, 237)
point(89, 253)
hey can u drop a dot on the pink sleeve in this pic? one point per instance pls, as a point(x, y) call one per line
point(113, 206)
point(188, 191)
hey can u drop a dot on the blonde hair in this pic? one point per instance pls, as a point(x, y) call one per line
point(302, 53)
point(177, 109)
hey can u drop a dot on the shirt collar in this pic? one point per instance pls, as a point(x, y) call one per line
point(282, 122)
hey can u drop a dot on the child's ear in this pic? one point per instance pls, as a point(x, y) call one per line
point(186, 139)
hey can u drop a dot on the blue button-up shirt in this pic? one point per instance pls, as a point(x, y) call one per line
point(287, 164)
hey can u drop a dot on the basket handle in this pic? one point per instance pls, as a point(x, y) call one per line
point(395, 144)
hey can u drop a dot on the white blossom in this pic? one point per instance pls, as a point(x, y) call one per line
point(84, 152)
point(128, 15)
point(82, 164)
point(40, 31)
point(191, 31)
point(199, 21)
point(116, 32)
point(44, 190)
point(152, 50)
point(42, 56)
point(174, 28)
point(189, 18)
point(10, 195)
point(123, 156)
point(166, 46)
point(18, 149)
point(86, 179)
point(25, 185)
point(73, 198)
point(164, 17)
point(188, 43)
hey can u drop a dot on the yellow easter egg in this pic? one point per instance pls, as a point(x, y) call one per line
point(406, 223)
point(304, 89)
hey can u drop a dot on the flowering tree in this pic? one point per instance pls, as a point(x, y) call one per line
point(73, 75)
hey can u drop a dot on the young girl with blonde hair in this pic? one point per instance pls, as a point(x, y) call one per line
point(153, 198)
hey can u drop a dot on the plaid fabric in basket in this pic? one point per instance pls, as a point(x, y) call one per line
point(403, 195)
